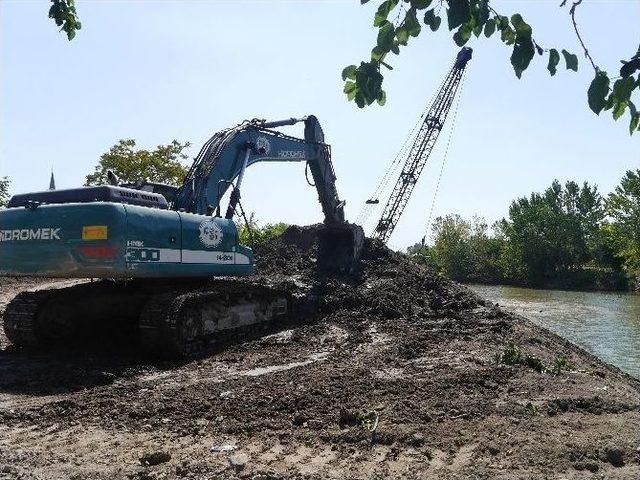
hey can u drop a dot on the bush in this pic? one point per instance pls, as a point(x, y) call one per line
point(514, 355)
point(255, 235)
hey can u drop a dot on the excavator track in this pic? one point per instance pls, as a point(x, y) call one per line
point(20, 318)
point(179, 324)
point(166, 320)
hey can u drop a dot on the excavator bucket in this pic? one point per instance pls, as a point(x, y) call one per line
point(340, 247)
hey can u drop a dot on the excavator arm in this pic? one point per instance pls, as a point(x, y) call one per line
point(222, 162)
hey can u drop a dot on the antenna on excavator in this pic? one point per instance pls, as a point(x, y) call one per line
point(429, 130)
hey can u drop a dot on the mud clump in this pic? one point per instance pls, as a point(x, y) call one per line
point(389, 372)
point(155, 458)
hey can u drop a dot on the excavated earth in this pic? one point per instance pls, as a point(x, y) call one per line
point(397, 375)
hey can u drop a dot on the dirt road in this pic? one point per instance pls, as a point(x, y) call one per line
point(402, 375)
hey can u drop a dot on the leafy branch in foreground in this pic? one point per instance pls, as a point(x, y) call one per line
point(63, 13)
point(467, 18)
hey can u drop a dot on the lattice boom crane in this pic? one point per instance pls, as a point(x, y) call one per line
point(421, 148)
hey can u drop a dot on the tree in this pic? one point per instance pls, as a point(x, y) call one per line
point(363, 83)
point(451, 251)
point(462, 250)
point(130, 164)
point(552, 232)
point(623, 205)
point(4, 191)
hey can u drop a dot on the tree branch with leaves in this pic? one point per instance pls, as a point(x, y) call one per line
point(63, 13)
point(468, 18)
point(4, 191)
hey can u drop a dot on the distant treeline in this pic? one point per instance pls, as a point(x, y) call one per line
point(565, 237)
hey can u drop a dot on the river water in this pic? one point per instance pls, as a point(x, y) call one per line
point(605, 324)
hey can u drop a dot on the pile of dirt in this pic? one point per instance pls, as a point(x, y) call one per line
point(398, 373)
point(388, 285)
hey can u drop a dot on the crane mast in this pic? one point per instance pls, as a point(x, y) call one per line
point(421, 148)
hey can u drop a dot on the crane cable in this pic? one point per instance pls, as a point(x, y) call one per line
point(444, 158)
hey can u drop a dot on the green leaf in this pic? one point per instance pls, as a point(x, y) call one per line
point(458, 13)
point(619, 109)
point(382, 98)
point(349, 72)
point(570, 60)
point(482, 13)
point(630, 67)
point(623, 87)
point(368, 82)
point(383, 12)
point(611, 101)
point(431, 19)
point(521, 56)
point(377, 54)
point(554, 59)
point(635, 123)
point(597, 93)
point(508, 35)
point(411, 23)
point(463, 35)
point(489, 27)
point(522, 28)
point(63, 13)
point(386, 35)
point(502, 22)
point(349, 87)
point(539, 50)
point(402, 35)
point(436, 24)
point(420, 4)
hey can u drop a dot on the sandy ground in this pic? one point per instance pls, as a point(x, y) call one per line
point(397, 377)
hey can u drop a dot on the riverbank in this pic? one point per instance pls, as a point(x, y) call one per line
point(579, 280)
point(606, 324)
point(402, 374)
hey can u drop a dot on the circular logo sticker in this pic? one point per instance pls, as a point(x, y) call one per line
point(263, 145)
point(210, 233)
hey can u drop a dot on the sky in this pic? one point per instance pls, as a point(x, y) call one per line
point(156, 71)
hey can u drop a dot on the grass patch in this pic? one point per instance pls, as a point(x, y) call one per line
point(560, 364)
point(531, 410)
point(514, 355)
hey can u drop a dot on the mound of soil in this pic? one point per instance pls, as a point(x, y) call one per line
point(396, 373)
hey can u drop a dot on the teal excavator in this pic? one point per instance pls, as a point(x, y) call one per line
point(158, 244)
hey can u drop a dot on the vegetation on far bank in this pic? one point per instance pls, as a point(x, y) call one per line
point(565, 237)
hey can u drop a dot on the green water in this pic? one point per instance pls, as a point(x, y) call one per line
point(605, 324)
